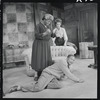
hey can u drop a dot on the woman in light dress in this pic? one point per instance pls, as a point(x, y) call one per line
point(59, 33)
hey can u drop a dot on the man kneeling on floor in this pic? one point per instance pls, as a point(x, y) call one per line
point(50, 77)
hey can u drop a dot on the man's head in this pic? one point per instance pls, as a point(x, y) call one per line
point(70, 59)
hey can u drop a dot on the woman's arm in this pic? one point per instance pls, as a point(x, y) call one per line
point(38, 35)
point(65, 36)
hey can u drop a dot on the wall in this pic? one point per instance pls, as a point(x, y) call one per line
point(18, 24)
point(73, 23)
point(58, 13)
point(88, 23)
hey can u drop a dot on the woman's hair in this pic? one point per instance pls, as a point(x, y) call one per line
point(58, 20)
point(48, 16)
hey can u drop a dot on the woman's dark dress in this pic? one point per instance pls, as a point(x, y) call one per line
point(41, 53)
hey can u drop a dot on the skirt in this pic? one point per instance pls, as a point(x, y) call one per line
point(41, 55)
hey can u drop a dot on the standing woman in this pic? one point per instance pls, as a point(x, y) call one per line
point(41, 53)
point(60, 34)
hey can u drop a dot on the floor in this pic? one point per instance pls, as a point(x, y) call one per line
point(88, 89)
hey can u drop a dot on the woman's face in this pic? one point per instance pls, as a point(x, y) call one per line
point(47, 22)
point(58, 24)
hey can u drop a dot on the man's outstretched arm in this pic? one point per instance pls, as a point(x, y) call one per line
point(70, 75)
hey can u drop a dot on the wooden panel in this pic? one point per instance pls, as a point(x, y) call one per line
point(72, 32)
point(72, 35)
point(84, 52)
point(88, 24)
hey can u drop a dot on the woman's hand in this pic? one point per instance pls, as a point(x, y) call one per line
point(53, 40)
point(57, 32)
point(47, 32)
point(65, 43)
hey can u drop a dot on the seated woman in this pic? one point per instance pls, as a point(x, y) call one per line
point(60, 34)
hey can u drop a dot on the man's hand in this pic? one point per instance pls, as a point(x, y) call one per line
point(63, 77)
point(81, 80)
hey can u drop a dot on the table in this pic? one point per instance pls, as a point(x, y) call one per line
point(94, 48)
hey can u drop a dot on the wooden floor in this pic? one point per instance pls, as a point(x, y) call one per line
point(88, 89)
